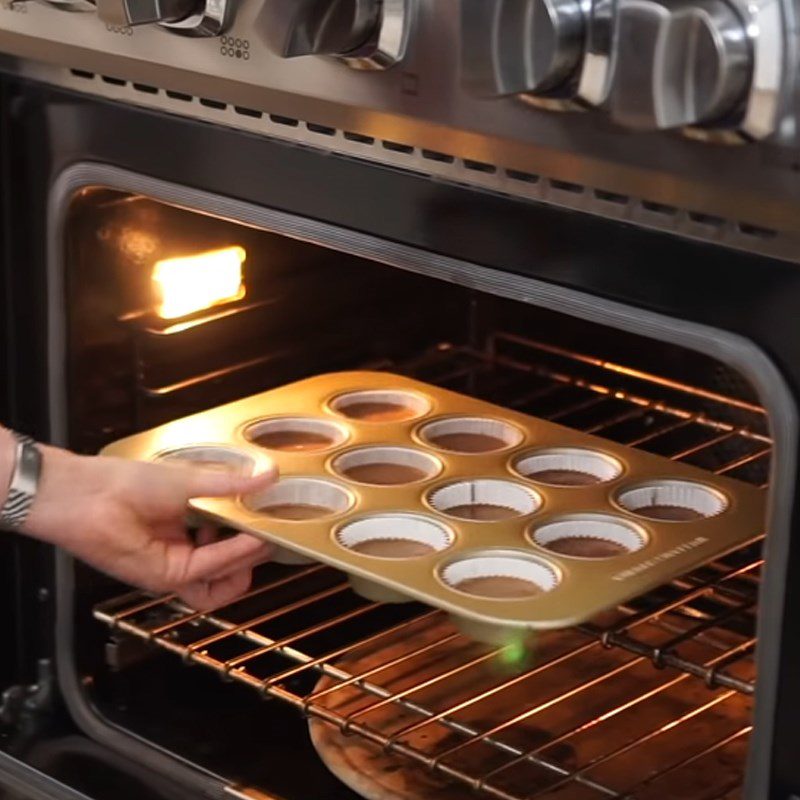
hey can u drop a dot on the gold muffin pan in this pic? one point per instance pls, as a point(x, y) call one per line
point(495, 538)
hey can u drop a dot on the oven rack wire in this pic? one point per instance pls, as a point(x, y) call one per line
point(296, 625)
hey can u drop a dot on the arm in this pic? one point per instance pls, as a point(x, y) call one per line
point(126, 518)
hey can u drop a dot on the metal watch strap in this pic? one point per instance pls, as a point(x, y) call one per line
point(24, 483)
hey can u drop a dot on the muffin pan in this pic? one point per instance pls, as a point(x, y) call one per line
point(508, 522)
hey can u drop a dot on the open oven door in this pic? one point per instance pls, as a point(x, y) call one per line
point(42, 755)
point(26, 674)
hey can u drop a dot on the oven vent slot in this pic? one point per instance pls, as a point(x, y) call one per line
point(351, 136)
point(182, 96)
point(146, 88)
point(435, 155)
point(659, 208)
point(708, 220)
point(612, 197)
point(248, 112)
point(603, 201)
point(216, 104)
point(700, 629)
point(756, 231)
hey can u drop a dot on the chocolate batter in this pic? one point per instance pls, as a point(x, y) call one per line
point(483, 512)
point(294, 441)
point(468, 442)
point(379, 474)
point(372, 411)
point(393, 548)
point(672, 513)
point(564, 477)
point(586, 547)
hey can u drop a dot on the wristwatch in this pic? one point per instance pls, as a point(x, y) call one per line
point(24, 482)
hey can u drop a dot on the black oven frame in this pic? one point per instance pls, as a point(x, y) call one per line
point(733, 306)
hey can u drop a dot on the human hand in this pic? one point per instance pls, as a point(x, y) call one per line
point(126, 519)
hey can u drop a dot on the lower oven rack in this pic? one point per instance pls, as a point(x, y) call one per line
point(698, 632)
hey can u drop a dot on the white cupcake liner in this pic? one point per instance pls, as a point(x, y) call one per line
point(273, 425)
point(485, 491)
point(502, 564)
point(603, 467)
point(210, 456)
point(704, 500)
point(590, 526)
point(302, 492)
point(484, 426)
point(417, 405)
point(400, 527)
point(399, 456)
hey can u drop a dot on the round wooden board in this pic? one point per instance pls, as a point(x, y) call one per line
point(375, 774)
point(366, 767)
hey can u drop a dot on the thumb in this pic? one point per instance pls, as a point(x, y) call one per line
point(208, 483)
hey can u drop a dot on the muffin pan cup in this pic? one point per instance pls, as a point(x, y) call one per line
point(585, 586)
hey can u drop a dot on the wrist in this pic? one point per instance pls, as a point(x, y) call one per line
point(8, 449)
point(54, 507)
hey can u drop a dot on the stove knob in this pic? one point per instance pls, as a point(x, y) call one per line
point(320, 27)
point(141, 12)
point(516, 46)
point(678, 63)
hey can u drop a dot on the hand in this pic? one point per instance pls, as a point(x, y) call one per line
point(126, 518)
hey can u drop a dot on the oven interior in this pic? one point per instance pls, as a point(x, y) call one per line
point(652, 699)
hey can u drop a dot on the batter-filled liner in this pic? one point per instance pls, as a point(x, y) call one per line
point(295, 434)
point(501, 576)
point(470, 435)
point(596, 536)
point(484, 500)
point(395, 536)
point(568, 466)
point(387, 466)
point(673, 501)
point(300, 499)
point(381, 405)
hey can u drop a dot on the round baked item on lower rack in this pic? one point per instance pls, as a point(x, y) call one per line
point(363, 766)
point(566, 682)
point(375, 774)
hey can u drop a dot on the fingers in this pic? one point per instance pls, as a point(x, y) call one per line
point(208, 483)
point(206, 595)
point(209, 534)
point(223, 557)
point(206, 535)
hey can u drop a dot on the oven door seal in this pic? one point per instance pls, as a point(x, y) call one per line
point(727, 347)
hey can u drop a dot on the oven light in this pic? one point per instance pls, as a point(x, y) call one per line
point(189, 284)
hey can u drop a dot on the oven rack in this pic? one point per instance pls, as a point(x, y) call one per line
point(701, 626)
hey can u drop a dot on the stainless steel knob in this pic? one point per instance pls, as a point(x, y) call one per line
point(515, 46)
point(319, 27)
point(678, 63)
point(141, 12)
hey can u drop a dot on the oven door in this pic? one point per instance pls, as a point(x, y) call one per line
point(43, 753)
point(735, 307)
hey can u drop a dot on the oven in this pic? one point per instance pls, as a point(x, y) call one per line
point(411, 200)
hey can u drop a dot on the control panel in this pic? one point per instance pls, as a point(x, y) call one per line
point(646, 64)
point(369, 33)
point(641, 98)
point(649, 64)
